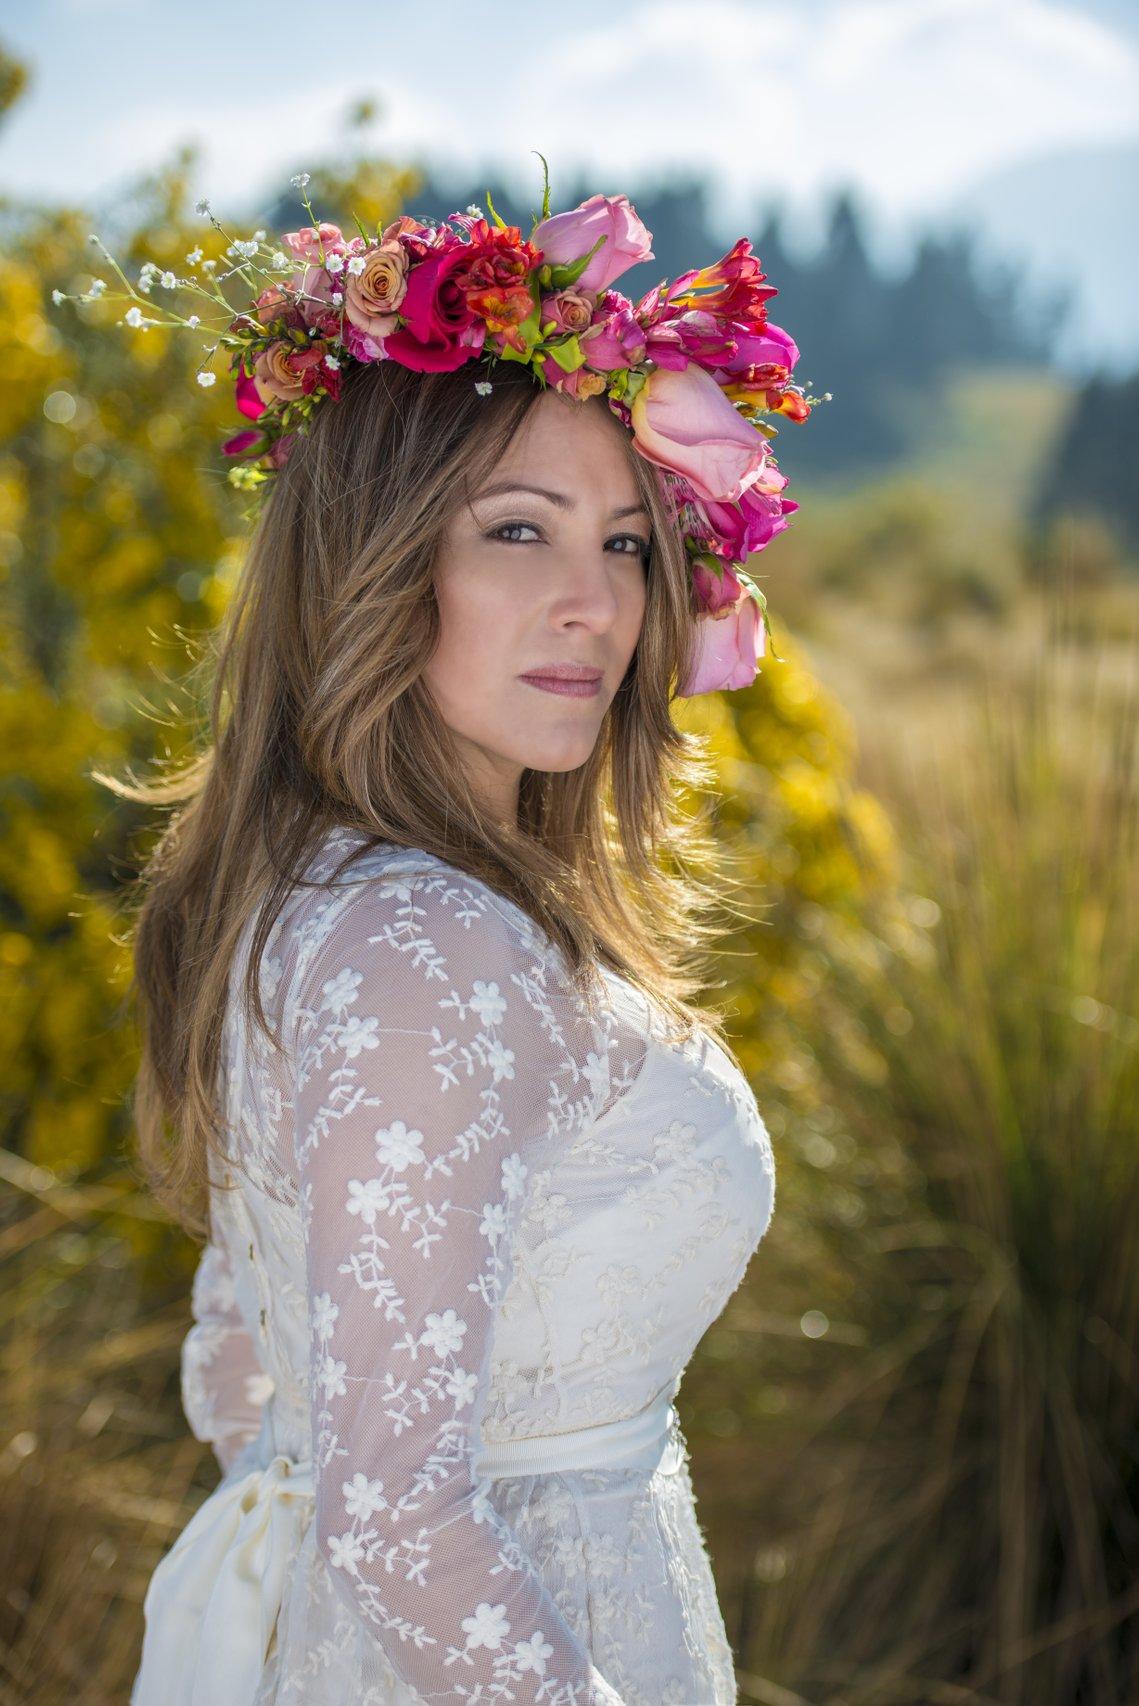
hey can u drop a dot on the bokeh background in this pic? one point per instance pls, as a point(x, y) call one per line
point(914, 1430)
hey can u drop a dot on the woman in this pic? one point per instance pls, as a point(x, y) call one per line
point(476, 1213)
point(476, 1173)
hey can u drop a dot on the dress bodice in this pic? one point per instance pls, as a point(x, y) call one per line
point(466, 1207)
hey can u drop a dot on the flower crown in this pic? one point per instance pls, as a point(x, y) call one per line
point(691, 369)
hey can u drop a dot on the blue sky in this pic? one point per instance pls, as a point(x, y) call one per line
point(911, 102)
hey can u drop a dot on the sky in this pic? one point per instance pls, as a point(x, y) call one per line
point(908, 102)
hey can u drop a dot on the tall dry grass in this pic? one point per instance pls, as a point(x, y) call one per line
point(939, 1487)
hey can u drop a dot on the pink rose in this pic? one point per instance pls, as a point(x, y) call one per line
point(272, 304)
point(306, 243)
point(566, 237)
point(683, 422)
point(727, 646)
point(571, 310)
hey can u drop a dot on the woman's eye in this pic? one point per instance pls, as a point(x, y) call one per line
point(640, 547)
point(509, 526)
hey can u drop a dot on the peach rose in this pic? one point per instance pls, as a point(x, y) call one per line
point(274, 376)
point(371, 297)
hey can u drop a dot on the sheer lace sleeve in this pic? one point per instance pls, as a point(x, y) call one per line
point(434, 1057)
point(223, 1385)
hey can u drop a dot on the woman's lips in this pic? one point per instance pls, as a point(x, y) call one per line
point(571, 689)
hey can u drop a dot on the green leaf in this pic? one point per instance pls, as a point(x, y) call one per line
point(545, 190)
point(501, 223)
point(568, 355)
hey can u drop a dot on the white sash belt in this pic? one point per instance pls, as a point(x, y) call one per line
point(213, 1601)
point(634, 1442)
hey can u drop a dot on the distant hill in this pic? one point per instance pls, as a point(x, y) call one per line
point(1070, 215)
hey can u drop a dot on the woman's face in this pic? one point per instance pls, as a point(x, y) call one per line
point(531, 579)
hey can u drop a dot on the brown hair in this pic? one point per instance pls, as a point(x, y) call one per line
point(318, 717)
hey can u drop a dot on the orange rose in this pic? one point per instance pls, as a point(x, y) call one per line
point(372, 296)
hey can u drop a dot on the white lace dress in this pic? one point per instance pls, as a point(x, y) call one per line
point(442, 1317)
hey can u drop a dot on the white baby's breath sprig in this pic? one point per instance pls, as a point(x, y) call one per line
point(233, 247)
point(301, 182)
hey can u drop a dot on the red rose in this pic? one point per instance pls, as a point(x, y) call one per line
point(441, 331)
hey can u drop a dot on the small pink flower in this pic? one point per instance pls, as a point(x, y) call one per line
point(571, 310)
point(616, 338)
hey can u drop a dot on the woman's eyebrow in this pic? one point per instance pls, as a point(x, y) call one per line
point(558, 498)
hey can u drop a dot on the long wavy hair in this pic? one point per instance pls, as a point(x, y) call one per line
point(318, 717)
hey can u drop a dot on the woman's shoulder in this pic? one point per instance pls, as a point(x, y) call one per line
point(363, 874)
point(358, 892)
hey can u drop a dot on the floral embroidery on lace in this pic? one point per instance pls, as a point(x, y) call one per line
point(470, 1209)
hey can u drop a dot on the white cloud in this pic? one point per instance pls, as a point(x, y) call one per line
point(906, 99)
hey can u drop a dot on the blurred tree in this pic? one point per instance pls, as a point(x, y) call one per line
point(1097, 459)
